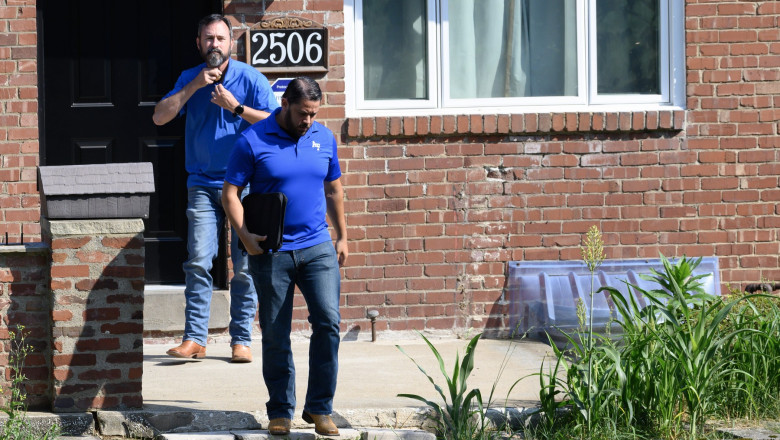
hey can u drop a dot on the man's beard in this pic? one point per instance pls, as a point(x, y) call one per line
point(214, 58)
point(295, 130)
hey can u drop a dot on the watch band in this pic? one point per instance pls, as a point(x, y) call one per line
point(239, 110)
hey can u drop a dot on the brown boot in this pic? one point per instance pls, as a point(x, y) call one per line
point(241, 354)
point(323, 424)
point(280, 426)
point(188, 349)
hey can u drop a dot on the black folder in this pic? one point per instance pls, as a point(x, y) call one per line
point(264, 215)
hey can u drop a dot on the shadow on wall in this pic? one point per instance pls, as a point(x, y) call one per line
point(25, 309)
point(98, 322)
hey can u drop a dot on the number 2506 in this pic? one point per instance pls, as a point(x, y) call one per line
point(282, 47)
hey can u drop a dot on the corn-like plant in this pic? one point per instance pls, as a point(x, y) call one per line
point(685, 357)
point(462, 413)
point(688, 355)
point(754, 390)
point(593, 371)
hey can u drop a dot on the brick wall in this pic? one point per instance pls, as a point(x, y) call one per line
point(246, 13)
point(438, 205)
point(19, 201)
point(97, 313)
point(25, 302)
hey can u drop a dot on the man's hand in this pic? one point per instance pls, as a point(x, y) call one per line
point(231, 202)
point(207, 76)
point(251, 243)
point(168, 108)
point(341, 251)
point(223, 98)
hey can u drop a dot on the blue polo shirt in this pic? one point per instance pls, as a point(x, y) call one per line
point(268, 159)
point(211, 130)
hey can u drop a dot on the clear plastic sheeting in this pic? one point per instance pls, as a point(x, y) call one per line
point(543, 295)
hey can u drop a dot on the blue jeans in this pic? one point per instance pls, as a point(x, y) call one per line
point(315, 270)
point(205, 220)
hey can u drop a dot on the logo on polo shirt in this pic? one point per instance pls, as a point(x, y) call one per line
point(315, 145)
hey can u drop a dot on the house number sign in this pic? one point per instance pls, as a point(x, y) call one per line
point(288, 44)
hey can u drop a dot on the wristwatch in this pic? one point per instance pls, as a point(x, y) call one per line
point(239, 110)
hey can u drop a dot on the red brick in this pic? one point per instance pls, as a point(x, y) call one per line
point(93, 256)
point(123, 242)
point(112, 374)
point(395, 126)
point(124, 271)
point(545, 122)
point(353, 127)
point(102, 314)
point(73, 360)
point(69, 271)
point(409, 123)
point(125, 358)
point(61, 315)
point(122, 328)
point(62, 374)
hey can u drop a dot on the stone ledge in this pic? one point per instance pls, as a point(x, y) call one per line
point(28, 248)
point(92, 227)
point(81, 424)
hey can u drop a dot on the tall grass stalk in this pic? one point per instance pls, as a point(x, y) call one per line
point(593, 255)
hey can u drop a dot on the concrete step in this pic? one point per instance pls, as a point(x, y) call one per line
point(164, 310)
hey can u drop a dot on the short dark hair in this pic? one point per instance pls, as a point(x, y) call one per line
point(207, 20)
point(302, 88)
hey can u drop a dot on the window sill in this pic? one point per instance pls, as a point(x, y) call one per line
point(514, 124)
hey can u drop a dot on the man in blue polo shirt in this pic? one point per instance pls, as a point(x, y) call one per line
point(220, 98)
point(290, 153)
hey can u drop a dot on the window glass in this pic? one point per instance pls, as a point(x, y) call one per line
point(394, 49)
point(512, 48)
point(445, 56)
point(628, 46)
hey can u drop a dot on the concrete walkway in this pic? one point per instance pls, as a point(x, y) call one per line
point(212, 399)
point(227, 397)
point(370, 377)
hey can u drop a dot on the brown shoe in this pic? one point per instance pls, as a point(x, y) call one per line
point(241, 354)
point(188, 349)
point(280, 426)
point(323, 424)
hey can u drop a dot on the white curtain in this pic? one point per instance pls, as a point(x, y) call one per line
point(512, 48)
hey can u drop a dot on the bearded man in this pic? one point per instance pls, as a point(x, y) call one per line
point(219, 98)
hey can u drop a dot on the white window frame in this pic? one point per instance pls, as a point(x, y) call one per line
point(672, 56)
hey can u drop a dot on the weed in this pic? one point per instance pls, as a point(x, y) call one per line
point(455, 418)
point(18, 426)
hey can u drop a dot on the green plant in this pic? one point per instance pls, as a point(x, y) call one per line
point(686, 356)
point(752, 392)
point(549, 402)
point(455, 418)
point(18, 426)
point(683, 357)
point(592, 367)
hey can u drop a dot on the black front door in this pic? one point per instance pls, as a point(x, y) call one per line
point(104, 65)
